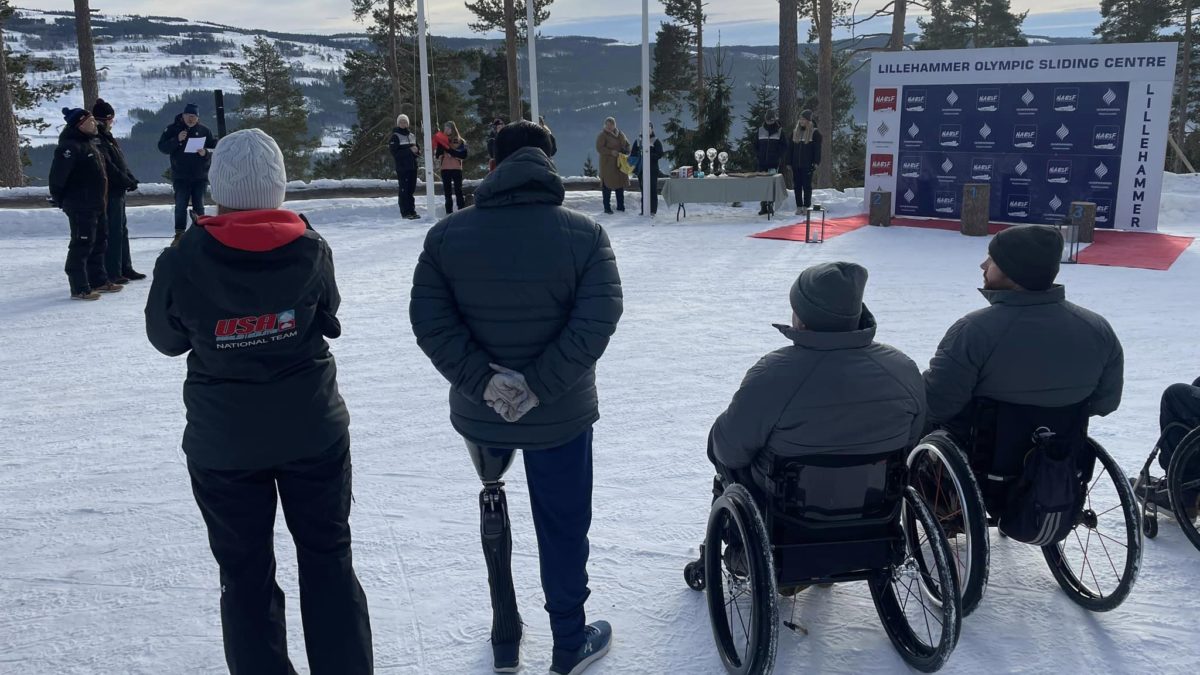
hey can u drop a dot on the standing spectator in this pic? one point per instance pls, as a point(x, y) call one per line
point(488, 309)
point(405, 150)
point(553, 142)
point(770, 150)
point(656, 153)
point(117, 262)
point(805, 155)
point(189, 167)
point(251, 294)
point(79, 186)
point(611, 144)
point(497, 125)
point(450, 150)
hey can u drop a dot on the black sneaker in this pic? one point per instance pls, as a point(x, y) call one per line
point(506, 657)
point(597, 640)
point(133, 275)
point(608, 212)
point(120, 281)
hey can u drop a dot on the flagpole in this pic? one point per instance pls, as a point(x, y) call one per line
point(530, 34)
point(647, 179)
point(427, 128)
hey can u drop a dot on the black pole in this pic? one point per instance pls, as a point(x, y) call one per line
point(220, 105)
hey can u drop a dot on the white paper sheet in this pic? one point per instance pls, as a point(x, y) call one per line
point(194, 144)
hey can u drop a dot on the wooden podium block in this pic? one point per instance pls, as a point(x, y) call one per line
point(880, 211)
point(1083, 216)
point(976, 204)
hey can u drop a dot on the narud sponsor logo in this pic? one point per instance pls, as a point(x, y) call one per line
point(248, 331)
point(982, 168)
point(914, 100)
point(885, 100)
point(1106, 137)
point(1066, 99)
point(1017, 206)
point(987, 100)
point(1103, 211)
point(1025, 136)
point(881, 164)
point(910, 167)
point(944, 202)
point(950, 136)
point(1058, 171)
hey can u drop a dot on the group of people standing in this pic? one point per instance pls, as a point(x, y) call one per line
point(776, 149)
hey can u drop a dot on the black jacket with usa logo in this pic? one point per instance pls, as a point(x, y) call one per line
point(252, 296)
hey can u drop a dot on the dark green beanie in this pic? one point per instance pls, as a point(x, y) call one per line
point(1028, 254)
point(828, 297)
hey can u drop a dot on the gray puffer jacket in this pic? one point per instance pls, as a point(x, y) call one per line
point(520, 281)
point(1030, 348)
point(828, 393)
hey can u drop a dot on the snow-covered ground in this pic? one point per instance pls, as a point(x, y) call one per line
point(104, 564)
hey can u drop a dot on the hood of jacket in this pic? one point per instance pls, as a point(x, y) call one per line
point(526, 177)
point(863, 336)
point(248, 256)
point(1056, 293)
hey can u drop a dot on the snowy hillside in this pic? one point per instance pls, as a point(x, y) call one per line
point(106, 567)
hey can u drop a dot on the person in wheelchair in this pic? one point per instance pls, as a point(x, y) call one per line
point(1029, 347)
point(834, 389)
point(1179, 414)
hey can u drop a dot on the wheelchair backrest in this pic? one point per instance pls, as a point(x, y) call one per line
point(1003, 433)
point(834, 489)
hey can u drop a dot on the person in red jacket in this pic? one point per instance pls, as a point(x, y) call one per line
point(250, 293)
point(450, 150)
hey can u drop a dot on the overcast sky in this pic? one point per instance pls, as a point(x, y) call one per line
point(739, 21)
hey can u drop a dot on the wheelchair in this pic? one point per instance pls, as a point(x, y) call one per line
point(825, 519)
point(1096, 563)
point(1182, 486)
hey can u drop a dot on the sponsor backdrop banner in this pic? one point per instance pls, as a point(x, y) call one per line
point(1044, 126)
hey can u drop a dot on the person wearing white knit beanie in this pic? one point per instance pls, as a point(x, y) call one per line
point(247, 172)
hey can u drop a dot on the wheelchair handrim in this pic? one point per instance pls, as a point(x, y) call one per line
point(962, 562)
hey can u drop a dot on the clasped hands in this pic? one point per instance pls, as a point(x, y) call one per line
point(508, 394)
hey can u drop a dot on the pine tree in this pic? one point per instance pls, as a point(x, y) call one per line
point(744, 155)
point(389, 21)
point(589, 169)
point(87, 54)
point(271, 101)
point(789, 59)
point(19, 102)
point(718, 108)
point(848, 158)
point(962, 24)
point(509, 16)
point(1133, 20)
point(10, 139)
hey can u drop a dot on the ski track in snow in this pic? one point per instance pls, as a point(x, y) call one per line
point(104, 562)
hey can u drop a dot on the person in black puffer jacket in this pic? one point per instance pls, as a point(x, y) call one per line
point(120, 180)
point(405, 149)
point(514, 301)
point(79, 186)
point(770, 150)
point(250, 293)
point(189, 170)
point(805, 157)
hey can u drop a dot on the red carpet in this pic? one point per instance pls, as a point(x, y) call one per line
point(1137, 250)
point(834, 227)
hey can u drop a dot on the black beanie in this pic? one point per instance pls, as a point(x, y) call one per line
point(102, 109)
point(828, 297)
point(73, 116)
point(807, 114)
point(1028, 254)
point(191, 109)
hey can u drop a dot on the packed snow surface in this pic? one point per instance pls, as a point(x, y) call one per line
point(104, 562)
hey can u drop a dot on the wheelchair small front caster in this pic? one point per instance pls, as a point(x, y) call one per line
point(693, 574)
point(1150, 526)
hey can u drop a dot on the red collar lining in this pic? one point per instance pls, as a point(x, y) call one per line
point(255, 231)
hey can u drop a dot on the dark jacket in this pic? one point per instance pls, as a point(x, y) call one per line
point(119, 176)
point(522, 282)
point(400, 145)
point(252, 296)
point(656, 153)
point(186, 167)
point(806, 155)
point(1030, 348)
point(771, 148)
point(827, 393)
point(491, 143)
point(78, 181)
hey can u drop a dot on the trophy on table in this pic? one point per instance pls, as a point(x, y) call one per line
point(722, 163)
point(712, 161)
point(699, 155)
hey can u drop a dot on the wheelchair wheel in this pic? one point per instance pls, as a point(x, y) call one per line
point(924, 631)
point(739, 571)
point(1097, 564)
point(941, 475)
point(1183, 485)
point(693, 574)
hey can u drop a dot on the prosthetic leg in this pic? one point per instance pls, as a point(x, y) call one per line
point(494, 530)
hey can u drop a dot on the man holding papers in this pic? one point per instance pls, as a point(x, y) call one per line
point(188, 142)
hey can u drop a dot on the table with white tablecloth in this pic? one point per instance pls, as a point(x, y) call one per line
point(725, 190)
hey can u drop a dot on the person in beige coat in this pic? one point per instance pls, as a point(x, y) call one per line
point(610, 144)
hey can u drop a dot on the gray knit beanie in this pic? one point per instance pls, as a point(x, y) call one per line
point(1028, 254)
point(828, 297)
point(247, 172)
